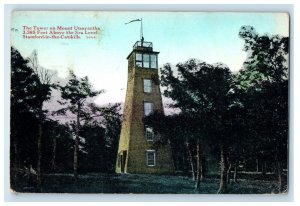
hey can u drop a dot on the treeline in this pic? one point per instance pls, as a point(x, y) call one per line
point(239, 119)
point(85, 141)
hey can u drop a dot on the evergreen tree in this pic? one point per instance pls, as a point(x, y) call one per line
point(44, 93)
point(76, 92)
point(27, 95)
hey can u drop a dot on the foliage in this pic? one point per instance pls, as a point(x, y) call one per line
point(266, 99)
point(203, 93)
point(27, 96)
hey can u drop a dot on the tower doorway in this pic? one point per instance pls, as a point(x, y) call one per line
point(123, 161)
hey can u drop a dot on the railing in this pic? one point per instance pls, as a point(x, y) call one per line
point(142, 44)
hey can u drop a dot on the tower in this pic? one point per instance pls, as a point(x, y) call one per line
point(136, 153)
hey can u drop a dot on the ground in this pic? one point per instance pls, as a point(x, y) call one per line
point(134, 183)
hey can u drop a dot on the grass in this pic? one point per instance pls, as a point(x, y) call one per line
point(151, 184)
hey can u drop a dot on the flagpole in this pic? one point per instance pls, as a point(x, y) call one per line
point(141, 29)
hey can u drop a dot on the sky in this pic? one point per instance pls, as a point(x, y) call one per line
point(178, 36)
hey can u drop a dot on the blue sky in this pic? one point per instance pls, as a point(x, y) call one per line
point(178, 36)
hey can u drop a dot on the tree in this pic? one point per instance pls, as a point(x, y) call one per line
point(93, 147)
point(201, 92)
point(76, 92)
point(64, 148)
point(107, 121)
point(112, 123)
point(265, 80)
point(27, 95)
point(23, 95)
point(44, 87)
point(179, 138)
point(56, 132)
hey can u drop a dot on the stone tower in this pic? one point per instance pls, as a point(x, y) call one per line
point(136, 153)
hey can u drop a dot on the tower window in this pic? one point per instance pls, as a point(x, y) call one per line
point(147, 85)
point(148, 108)
point(146, 60)
point(150, 157)
point(153, 61)
point(149, 134)
point(139, 60)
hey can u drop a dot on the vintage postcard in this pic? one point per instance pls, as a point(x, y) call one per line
point(149, 102)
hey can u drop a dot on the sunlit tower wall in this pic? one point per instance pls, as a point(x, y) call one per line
point(136, 153)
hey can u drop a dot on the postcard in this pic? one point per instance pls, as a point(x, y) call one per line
point(149, 102)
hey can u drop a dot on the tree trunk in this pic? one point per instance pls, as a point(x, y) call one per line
point(228, 174)
point(235, 173)
point(279, 176)
point(184, 166)
point(190, 158)
point(257, 168)
point(53, 164)
point(76, 146)
point(199, 165)
point(264, 168)
point(173, 157)
point(203, 166)
point(39, 162)
point(15, 163)
point(223, 169)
